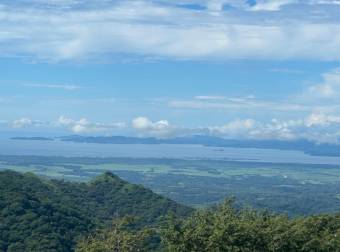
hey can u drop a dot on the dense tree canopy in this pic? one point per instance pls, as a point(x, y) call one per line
point(50, 215)
point(119, 237)
point(228, 229)
point(44, 215)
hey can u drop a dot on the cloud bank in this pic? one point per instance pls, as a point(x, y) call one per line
point(83, 125)
point(316, 127)
point(78, 30)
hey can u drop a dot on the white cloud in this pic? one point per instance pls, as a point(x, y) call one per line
point(320, 99)
point(329, 88)
point(75, 126)
point(252, 129)
point(258, 5)
point(141, 123)
point(161, 128)
point(234, 129)
point(321, 119)
point(329, 2)
point(237, 129)
point(271, 5)
point(21, 123)
point(52, 2)
point(65, 121)
point(84, 126)
point(318, 127)
point(209, 97)
point(217, 5)
point(238, 103)
point(147, 29)
point(26, 122)
point(286, 70)
point(213, 5)
point(54, 86)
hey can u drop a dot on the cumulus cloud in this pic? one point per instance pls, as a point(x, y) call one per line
point(329, 88)
point(80, 126)
point(234, 129)
point(316, 127)
point(21, 123)
point(321, 119)
point(252, 129)
point(164, 129)
point(161, 128)
point(84, 126)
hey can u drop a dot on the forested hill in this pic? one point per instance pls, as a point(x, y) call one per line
point(42, 215)
point(49, 215)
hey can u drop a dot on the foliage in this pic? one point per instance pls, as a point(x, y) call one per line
point(120, 238)
point(50, 215)
point(226, 229)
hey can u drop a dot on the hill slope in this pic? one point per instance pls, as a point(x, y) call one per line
point(226, 229)
point(49, 215)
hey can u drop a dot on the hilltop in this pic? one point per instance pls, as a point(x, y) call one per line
point(39, 214)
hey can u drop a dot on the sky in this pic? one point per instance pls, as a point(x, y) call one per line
point(264, 69)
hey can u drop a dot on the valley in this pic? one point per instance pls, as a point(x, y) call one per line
point(295, 189)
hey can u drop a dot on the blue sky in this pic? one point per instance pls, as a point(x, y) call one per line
point(236, 69)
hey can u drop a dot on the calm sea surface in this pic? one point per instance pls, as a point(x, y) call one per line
point(69, 149)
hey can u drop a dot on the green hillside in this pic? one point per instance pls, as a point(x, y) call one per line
point(225, 229)
point(50, 215)
point(109, 214)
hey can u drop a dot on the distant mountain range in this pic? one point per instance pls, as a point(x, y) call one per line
point(308, 147)
point(33, 138)
point(298, 145)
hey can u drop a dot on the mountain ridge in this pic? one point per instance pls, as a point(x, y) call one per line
point(39, 214)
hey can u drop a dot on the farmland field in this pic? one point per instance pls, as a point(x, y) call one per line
point(289, 188)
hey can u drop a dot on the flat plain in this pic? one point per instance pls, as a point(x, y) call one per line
point(295, 189)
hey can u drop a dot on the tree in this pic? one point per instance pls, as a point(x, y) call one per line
point(119, 238)
point(228, 229)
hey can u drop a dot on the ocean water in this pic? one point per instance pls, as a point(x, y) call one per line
point(69, 149)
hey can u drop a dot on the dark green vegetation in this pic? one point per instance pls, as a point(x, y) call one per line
point(109, 214)
point(226, 229)
point(306, 146)
point(50, 215)
point(295, 189)
point(119, 237)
